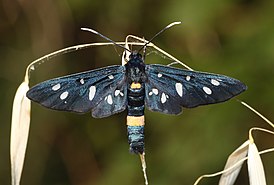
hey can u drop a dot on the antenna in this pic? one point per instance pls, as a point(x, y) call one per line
point(121, 46)
point(165, 28)
point(108, 39)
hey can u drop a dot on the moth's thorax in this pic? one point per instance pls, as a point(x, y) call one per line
point(136, 68)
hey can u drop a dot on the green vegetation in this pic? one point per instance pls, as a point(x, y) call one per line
point(235, 38)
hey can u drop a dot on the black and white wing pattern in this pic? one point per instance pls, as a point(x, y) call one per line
point(103, 91)
point(168, 89)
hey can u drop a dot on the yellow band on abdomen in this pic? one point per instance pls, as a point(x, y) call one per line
point(135, 120)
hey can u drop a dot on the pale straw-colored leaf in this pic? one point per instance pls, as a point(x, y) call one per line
point(231, 167)
point(19, 132)
point(229, 177)
point(255, 166)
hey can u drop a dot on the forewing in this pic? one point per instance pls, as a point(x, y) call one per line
point(82, 92)
point(183, 88)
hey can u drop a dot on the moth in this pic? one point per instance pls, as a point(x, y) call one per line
point(134, 87)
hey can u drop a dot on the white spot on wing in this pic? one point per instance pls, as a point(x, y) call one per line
point(207, 90)
point(56, 87)
point(155, 91)
point(64, 95)
point(160, 75)
point(215, 82)
point(163, 98)
point(111, 77)
point(116, 92)
point(150, 93)
point(109, 99)
point(187, 78)
point(92, 91)
point(179, 89)
point(82, 81)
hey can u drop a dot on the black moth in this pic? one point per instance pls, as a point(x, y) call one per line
point(134, 86)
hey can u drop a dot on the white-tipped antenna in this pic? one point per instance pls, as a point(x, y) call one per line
point(165, 28)
point(108, 39)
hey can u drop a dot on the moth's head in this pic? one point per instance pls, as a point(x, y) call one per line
point(135, 57)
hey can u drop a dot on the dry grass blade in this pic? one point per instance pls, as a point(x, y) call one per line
point(255, 166)
point(19, 131)
point(229, 177)
point(45, 58)
point(158, 49)
point(126, 53)
point(256, 112)
point(143, 161)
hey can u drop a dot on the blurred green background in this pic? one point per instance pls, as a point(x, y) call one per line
point(235, 38)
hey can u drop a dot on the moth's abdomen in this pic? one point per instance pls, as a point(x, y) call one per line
point(135, 118)
point(136, 134)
